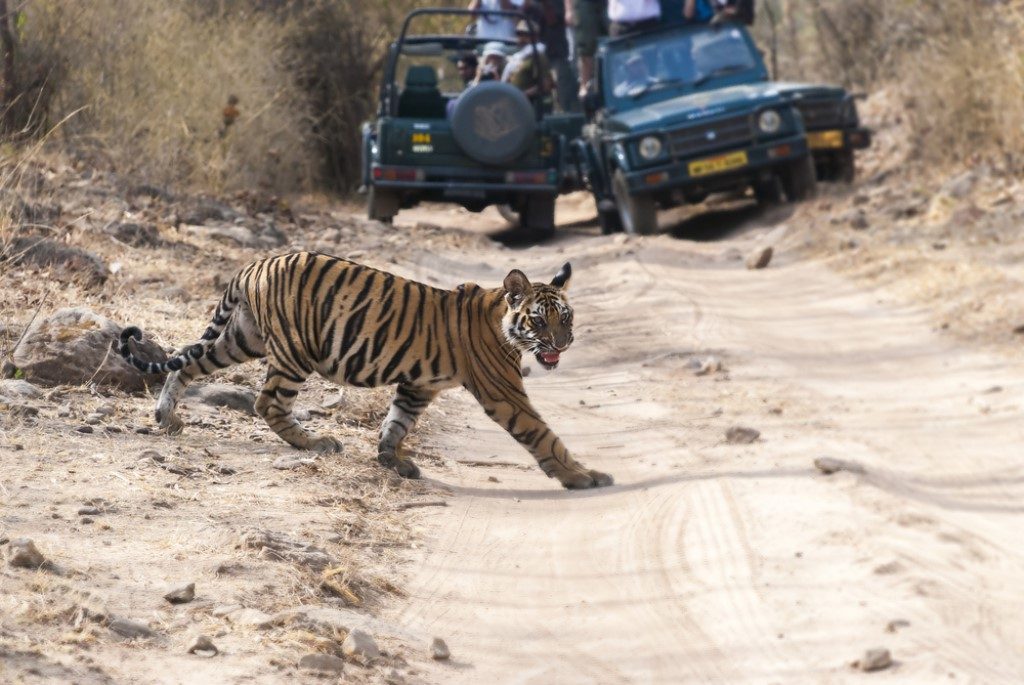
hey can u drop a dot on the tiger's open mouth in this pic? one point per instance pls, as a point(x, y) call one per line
point(548, 359)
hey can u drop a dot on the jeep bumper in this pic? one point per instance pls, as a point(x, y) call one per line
point(828, 140)
point(454, 183)
point(719, 170)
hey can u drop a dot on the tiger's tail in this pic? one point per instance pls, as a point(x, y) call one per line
point(221, 316)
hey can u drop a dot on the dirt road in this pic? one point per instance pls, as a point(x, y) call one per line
point(718, 562)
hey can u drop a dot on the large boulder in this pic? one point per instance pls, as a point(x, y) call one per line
point(72, 347)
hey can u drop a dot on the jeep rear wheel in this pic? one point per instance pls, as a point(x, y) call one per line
point(382, 205)
point(638, 213)
point(537, 214)
point(799, 179)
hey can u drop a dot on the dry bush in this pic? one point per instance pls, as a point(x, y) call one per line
point(959, 67)
point(149, 81)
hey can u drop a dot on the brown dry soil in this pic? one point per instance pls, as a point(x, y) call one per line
point(881, 334)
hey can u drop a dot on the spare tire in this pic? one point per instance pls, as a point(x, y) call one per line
point(493, 122)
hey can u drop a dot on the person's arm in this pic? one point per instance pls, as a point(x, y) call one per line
point(474, 5)
point(689, 9)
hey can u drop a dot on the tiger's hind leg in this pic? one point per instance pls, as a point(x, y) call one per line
point(275, 406)
point(407, 406)
point(238, 343)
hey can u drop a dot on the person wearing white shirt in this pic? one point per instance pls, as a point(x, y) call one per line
point(496, 28)
point(630, 16)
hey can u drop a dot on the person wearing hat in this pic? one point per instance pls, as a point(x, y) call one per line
point(523, 67)
point(492, 62)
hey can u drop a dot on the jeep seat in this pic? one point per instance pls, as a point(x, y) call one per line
point(421, 99)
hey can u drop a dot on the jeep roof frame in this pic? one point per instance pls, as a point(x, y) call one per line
point(389, 102)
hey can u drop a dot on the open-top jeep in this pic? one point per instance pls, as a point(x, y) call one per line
point(437, 139)
point(682, 112)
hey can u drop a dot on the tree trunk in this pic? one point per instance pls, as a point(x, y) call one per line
point(10, 88)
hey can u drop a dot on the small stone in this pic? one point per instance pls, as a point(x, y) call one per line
point(85, 520)
point(322, 663)
point(20, 389)
point(334, 402)
point(895, 624)
point(493, 479)
point(84, 429)
point(741, 435)
point(152, 455)
point(707, 366)
point(287, 463)
point(93, 419)
point(203, 646)
point(8, 369)
point(253, 618)
point(226, 610)
point(301, 415)
point(23, 554)
point(360, 644)
point(88, 511)
point(759, 259)
point(874, 660)
point(223, 395)
point(130, 629)
point(859, 222)
point(182, 595)
point(830, 465)
point(439, 650)
point(888, 569)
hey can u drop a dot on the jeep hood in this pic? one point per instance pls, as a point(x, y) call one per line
point(693, 107)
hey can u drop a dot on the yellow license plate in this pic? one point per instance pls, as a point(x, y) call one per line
point(825, 139)
point(714, 165)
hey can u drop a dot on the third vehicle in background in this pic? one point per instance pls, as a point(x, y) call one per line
point(682, 112)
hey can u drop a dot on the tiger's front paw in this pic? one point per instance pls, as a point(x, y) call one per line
point(405, 467)
point(581, 480)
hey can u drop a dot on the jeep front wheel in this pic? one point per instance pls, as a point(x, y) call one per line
point(799, 179)
point(638, 213)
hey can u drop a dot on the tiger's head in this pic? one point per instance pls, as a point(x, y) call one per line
point(539, 318)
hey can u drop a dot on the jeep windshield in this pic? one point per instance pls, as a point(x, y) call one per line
point(665, 64)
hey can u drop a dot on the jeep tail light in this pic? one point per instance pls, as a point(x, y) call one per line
point(397, 173)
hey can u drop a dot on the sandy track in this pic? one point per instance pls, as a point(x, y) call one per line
point(711, 562)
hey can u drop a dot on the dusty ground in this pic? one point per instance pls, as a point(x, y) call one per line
point(707, 561)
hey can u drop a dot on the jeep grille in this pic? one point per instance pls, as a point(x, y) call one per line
point(821, 114)
point(710, 136)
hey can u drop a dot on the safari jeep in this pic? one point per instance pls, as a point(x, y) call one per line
point(682, 112)
point(434, 139)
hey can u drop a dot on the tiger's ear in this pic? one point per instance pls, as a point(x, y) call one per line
point(561, 279)
point(517, 287)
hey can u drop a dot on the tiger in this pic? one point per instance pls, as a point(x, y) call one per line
point(308, 312)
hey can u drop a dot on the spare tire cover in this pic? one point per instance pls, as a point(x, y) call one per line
point(493, 122)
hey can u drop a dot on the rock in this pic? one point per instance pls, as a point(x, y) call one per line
point(225, 610)
point(223, 395)
point(874, 660)
point(741, 435)
point(960, 186)
point(8, 369)
point(895, 624)
point(209, 210)
point(89, 511)
point(72, 347)
point(859, 222)
point(708, 365)
point(361, 645)
point(254, 618)
point(130, 629)
point(888, 569)
point(137, 235)
point(22, 553)
point(278, 546)
point(203, 646)
point(182, 595)
point(322, 663)
point(68, 263)
point(287, 463)
point(19, 389)
point(16, 407)
point(84, 429)
point(231, 235)
point(830, 465)
point(759, 259)
point(439, 650)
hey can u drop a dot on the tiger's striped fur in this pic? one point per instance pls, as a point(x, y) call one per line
point(312, 313)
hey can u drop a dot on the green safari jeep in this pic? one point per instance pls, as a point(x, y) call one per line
point(681, 112)
point(438, 139)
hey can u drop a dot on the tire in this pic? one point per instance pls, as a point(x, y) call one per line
point(768, 192)
point(845, 167)
point(508, 214)
point(799, 179)
point(493, 122)
point(637, 213)
point(538, 214)
point(610, 222)
point(382, 205)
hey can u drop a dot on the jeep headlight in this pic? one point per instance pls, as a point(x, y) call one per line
point(769, 121)
point(650, 147)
